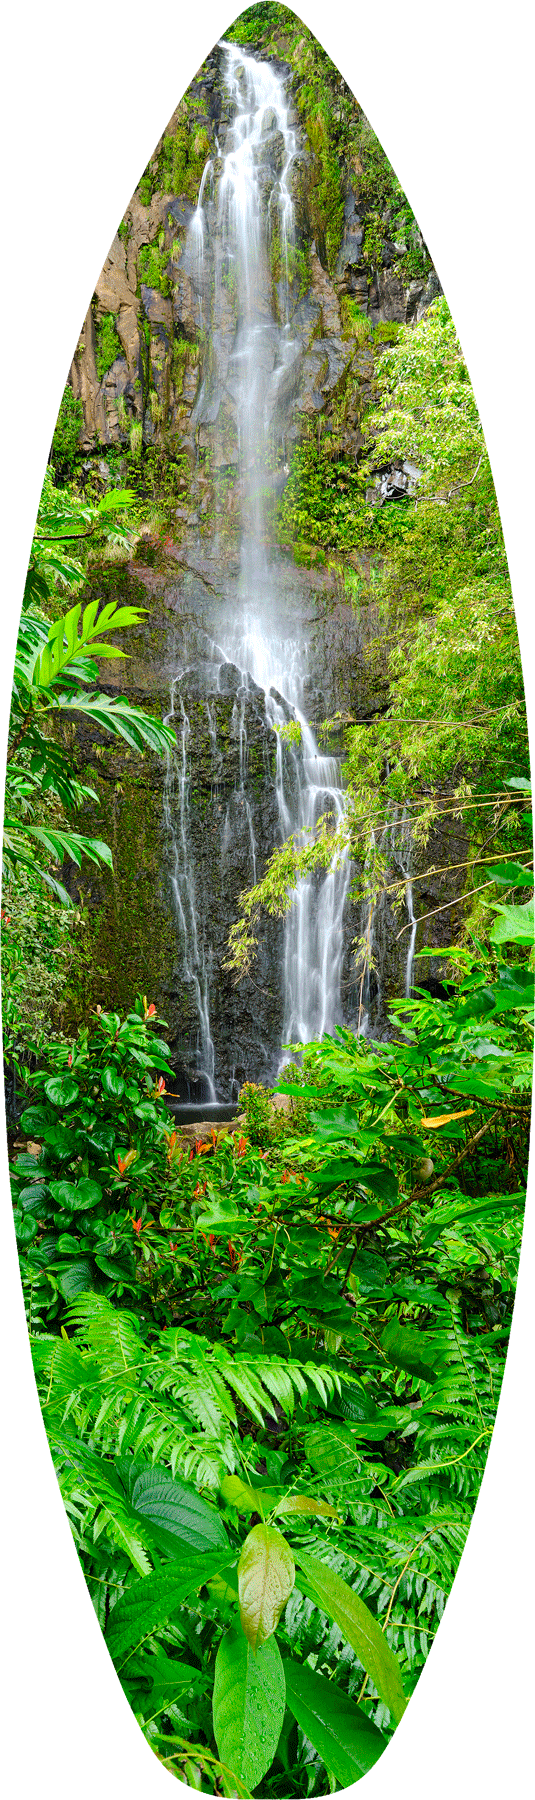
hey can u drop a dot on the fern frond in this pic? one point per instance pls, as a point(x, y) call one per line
point(111, 1332)
point(100, 1485)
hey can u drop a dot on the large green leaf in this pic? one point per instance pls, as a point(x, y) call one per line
point(77, 1278)
point(178, 1517)
point(333, 1173)
point(138, 728)
point(514, 924)
point(266, 1575)
point(245, 1498)
point(248, 1705)
point(76, 1197)
point(218, 1221)
point(335, 1123)
point(149, 1603)
point(72, 637)
point(464, 1215)
point(34, 1118)
point(34, 1197)
point(412, 1350)
point(306, 1505)
point(359, 1626)
point(511, 874)
point(61, 1090)
point(341, 1732)
point(25, 1227)
point(113, 1084)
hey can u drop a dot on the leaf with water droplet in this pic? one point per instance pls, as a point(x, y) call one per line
point(248, 1705)
point(266, 1575)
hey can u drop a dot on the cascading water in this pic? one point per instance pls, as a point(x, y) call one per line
point(404, 854)
point(176, 810)
point(308, 786)
point(249, 208)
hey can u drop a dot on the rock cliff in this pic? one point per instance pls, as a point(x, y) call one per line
point(155, 373)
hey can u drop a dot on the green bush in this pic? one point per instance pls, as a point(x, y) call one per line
point(108, 344)
point(97, 1113)
point(322, 503)
point(65, 447)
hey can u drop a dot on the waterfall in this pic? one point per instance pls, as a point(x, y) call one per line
point(403, 856)
point(176, 817)
point(197, 233)
point(250, 213)
point(308, 786)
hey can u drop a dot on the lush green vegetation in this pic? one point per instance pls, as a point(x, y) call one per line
point(65, 447)
point(269, 1361)
point(445, 747)
point(54, 690)
point(108, 344)
point(269, 1366)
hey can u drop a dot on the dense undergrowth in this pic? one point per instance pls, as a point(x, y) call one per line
point(309, 1328)
point(269, 1364)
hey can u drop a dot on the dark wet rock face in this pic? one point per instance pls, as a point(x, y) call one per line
point(157, 287)
point(226, 312)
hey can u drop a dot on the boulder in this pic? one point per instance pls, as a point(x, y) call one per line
point(229, 678)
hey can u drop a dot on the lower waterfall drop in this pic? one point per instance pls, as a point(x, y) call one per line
point(176, 810)
point(308, 786)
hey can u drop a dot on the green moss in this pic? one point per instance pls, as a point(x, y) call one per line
point(386, 208)
point(145, 188)
point(108, 345)
point(354, 322)
point(386, 332)
point(182, 158)
point(298, 265)
point(258, 22)
point(152, 264)
point(130, 940)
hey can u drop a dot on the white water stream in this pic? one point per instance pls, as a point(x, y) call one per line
point(249, 200)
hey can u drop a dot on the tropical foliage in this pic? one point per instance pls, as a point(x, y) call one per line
point(55, 690)
point(269, 1365)
point(445, 752)
point(269, 1354)
point(55, 675)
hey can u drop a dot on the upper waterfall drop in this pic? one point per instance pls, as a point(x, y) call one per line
point(245, 205)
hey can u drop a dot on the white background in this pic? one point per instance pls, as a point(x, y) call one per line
point(87, 91)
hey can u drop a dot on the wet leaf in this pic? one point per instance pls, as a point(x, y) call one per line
point(248, 1705)
point(266, 1575)
point(359, 1626)
point(345, 1738)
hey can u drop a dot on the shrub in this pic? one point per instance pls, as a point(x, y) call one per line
point(65, 446)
